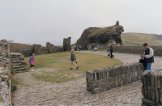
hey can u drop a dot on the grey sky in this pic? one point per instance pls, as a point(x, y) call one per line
point(38, 21)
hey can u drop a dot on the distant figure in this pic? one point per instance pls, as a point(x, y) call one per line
point(148, 57)
point(111, 51)
point(31, 59)
point(95, 48)
point(73, 60)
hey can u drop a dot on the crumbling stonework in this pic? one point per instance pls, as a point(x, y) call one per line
point(38, 49)
point(50, 47)
point(17, 62)
point(5, 74)
point(104, 79)
point(152, 88)
point(94, 36)
point(67, 44)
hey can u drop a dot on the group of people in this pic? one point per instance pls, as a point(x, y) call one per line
point(147, 57)
point(74, 63)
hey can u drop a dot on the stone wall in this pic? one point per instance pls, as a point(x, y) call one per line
point(5, 74)
point(135, 49)
point(104, 79)
point(152, 88)
point(26, 49)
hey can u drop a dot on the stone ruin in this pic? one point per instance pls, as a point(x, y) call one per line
point(97, 36)
point(67, 44)
point(18, 63)
point(100, 80)
point(37, 49)
point(50, 48)
point(152, 88)
point(5, 74)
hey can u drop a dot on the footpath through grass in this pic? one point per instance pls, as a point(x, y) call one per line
point(60, 62)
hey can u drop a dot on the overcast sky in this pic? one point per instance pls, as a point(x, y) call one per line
point(39, 21)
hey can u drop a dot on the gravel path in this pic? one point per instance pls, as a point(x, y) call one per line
point(74, 93)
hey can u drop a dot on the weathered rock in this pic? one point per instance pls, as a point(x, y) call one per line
point(67, 44)
point(100, 36)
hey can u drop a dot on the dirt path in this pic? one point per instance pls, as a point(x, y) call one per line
point(73, 93)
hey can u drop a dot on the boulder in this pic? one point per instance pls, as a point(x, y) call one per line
point(100, 36)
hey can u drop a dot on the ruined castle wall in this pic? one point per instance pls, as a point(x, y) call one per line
point(104, 79)
point(5, 75)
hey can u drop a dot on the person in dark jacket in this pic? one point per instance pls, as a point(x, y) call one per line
point(148, 57)
point(111, 51)
point(73, 60)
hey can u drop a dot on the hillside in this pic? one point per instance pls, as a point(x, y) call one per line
point(140, 38)
point(19, 46)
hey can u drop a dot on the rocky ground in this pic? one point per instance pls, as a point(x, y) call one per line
point(31, 92)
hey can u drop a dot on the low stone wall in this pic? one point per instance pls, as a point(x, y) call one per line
point(137, 49)
point(18, 63)
point(38, 49)
point(152, 88)
point(104, 79)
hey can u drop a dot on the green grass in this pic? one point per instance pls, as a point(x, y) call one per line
point(137, 39)
point(15, 81)
point(1, 99)
point(61, 63)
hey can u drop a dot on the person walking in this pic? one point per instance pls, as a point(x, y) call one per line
point(148, 56)
point(74, 62)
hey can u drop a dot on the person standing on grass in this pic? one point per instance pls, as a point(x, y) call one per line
point(111, 51)
point(73, 60)
point(148, 57)
point(31, 59)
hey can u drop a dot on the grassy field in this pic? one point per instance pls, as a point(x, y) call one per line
point(140, 38)
point(1, 99)
point(60, 63)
